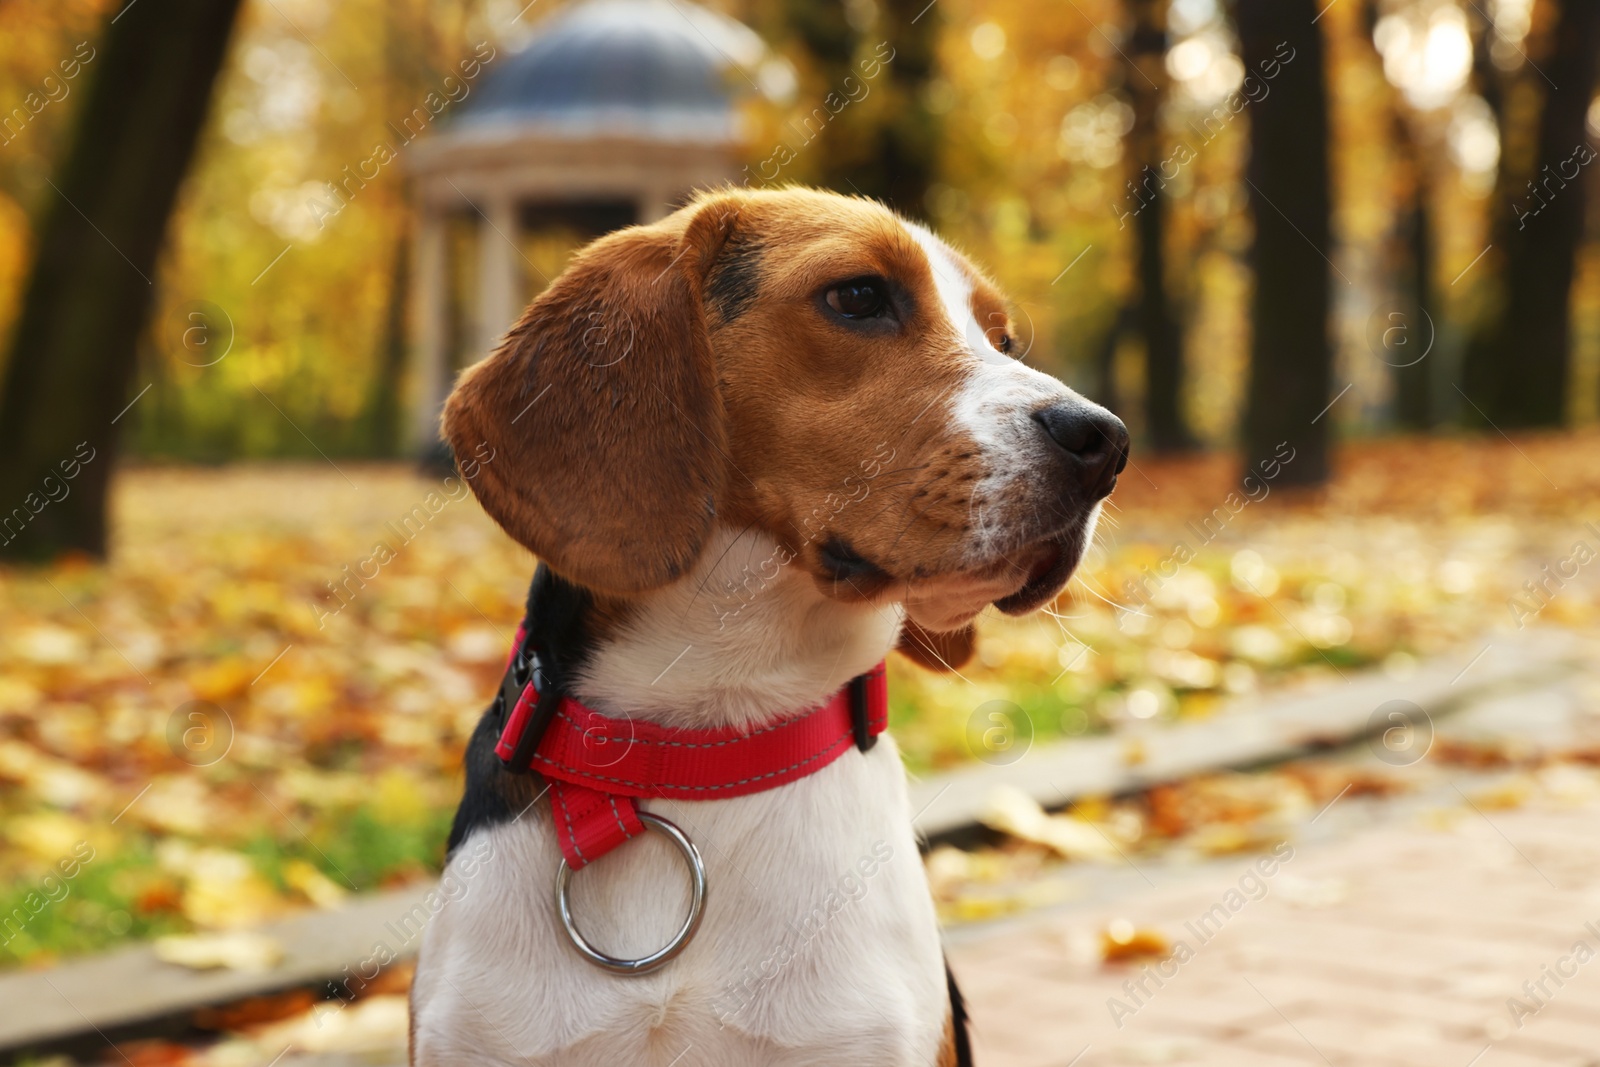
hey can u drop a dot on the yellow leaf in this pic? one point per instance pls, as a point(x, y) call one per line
point(316, 886)
point(1122, 941)
point(47, 836)
point(237, 951)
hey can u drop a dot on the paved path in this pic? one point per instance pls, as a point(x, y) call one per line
point(1399, 946)
point(1398, 933)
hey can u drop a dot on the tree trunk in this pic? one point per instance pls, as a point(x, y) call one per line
point(73, 354)
point(1413, 381)
point(383, 398)
point(1517, 365)
point(1404, 336)
point(885, 146)
point(1412, 368)
point(909, 138)
point(1103, 383)
point(824, 32)
point(1291, 359)
point(1146, 79)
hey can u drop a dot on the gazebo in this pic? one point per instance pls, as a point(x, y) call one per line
point(612, 115)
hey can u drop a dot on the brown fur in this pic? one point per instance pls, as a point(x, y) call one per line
point(811, 400)
point(949, 1055)
point(948, 651)
point(602, 408)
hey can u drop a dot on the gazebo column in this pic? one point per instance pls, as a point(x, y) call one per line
point(654, 203)
point(499, 285)
point(429, 360)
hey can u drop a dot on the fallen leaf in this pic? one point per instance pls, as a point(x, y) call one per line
point(370, 1025)
point(1012, 811)
point(1121, 941)
point(317, 887)
point(256, 1011)
point(240, 950)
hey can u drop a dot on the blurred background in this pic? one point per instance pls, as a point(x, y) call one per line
point(1333, 262)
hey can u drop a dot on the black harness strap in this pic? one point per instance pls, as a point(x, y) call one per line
point(959, 1020)
point(859, 711)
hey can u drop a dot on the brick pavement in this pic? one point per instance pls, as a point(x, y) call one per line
point(1399, 945)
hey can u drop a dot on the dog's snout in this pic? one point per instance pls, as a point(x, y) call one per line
point(1094, 440)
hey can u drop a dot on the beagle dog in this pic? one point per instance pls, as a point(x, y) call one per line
point(756, 446)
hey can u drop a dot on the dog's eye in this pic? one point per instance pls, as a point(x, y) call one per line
point(864, 298)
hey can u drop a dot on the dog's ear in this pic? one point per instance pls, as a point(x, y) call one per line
point(600, 413)
point(947, 651)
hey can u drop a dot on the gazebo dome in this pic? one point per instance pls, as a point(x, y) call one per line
point(614, 113)
point(649, 69)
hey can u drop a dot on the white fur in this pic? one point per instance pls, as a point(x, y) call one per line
point(499, 984)
point(995, 406)
point(747, 637)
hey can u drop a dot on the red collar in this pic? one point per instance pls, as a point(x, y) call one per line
point(599, 767)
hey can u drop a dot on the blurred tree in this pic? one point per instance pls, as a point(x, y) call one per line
point(1413, 380)
point(1291, 358)
point(414, 54)
point(382, 415)
point(1517, 361)
point(1410, 262)
point(73, 352)
point(823, 30)
point(886, 145)
point(1102, 387)
point(908, 138)
point(1487, 78)
point(1147, 82)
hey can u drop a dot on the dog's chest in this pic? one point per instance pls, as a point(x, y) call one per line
point(818, 942)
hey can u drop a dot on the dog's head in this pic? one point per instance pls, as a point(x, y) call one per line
point(800, 363)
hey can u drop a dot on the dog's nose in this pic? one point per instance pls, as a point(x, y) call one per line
point(1095, 441)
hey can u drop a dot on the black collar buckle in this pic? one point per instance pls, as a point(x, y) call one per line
point(525, 705)
point(860, 712)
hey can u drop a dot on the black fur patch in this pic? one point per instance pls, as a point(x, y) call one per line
point(958, 1020)
point(735, 278)
point(845, 564)
point(556, 612)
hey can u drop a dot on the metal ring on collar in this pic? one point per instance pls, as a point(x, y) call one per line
point(697, 901)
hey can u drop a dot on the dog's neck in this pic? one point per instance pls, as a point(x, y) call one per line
point(744, 639)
